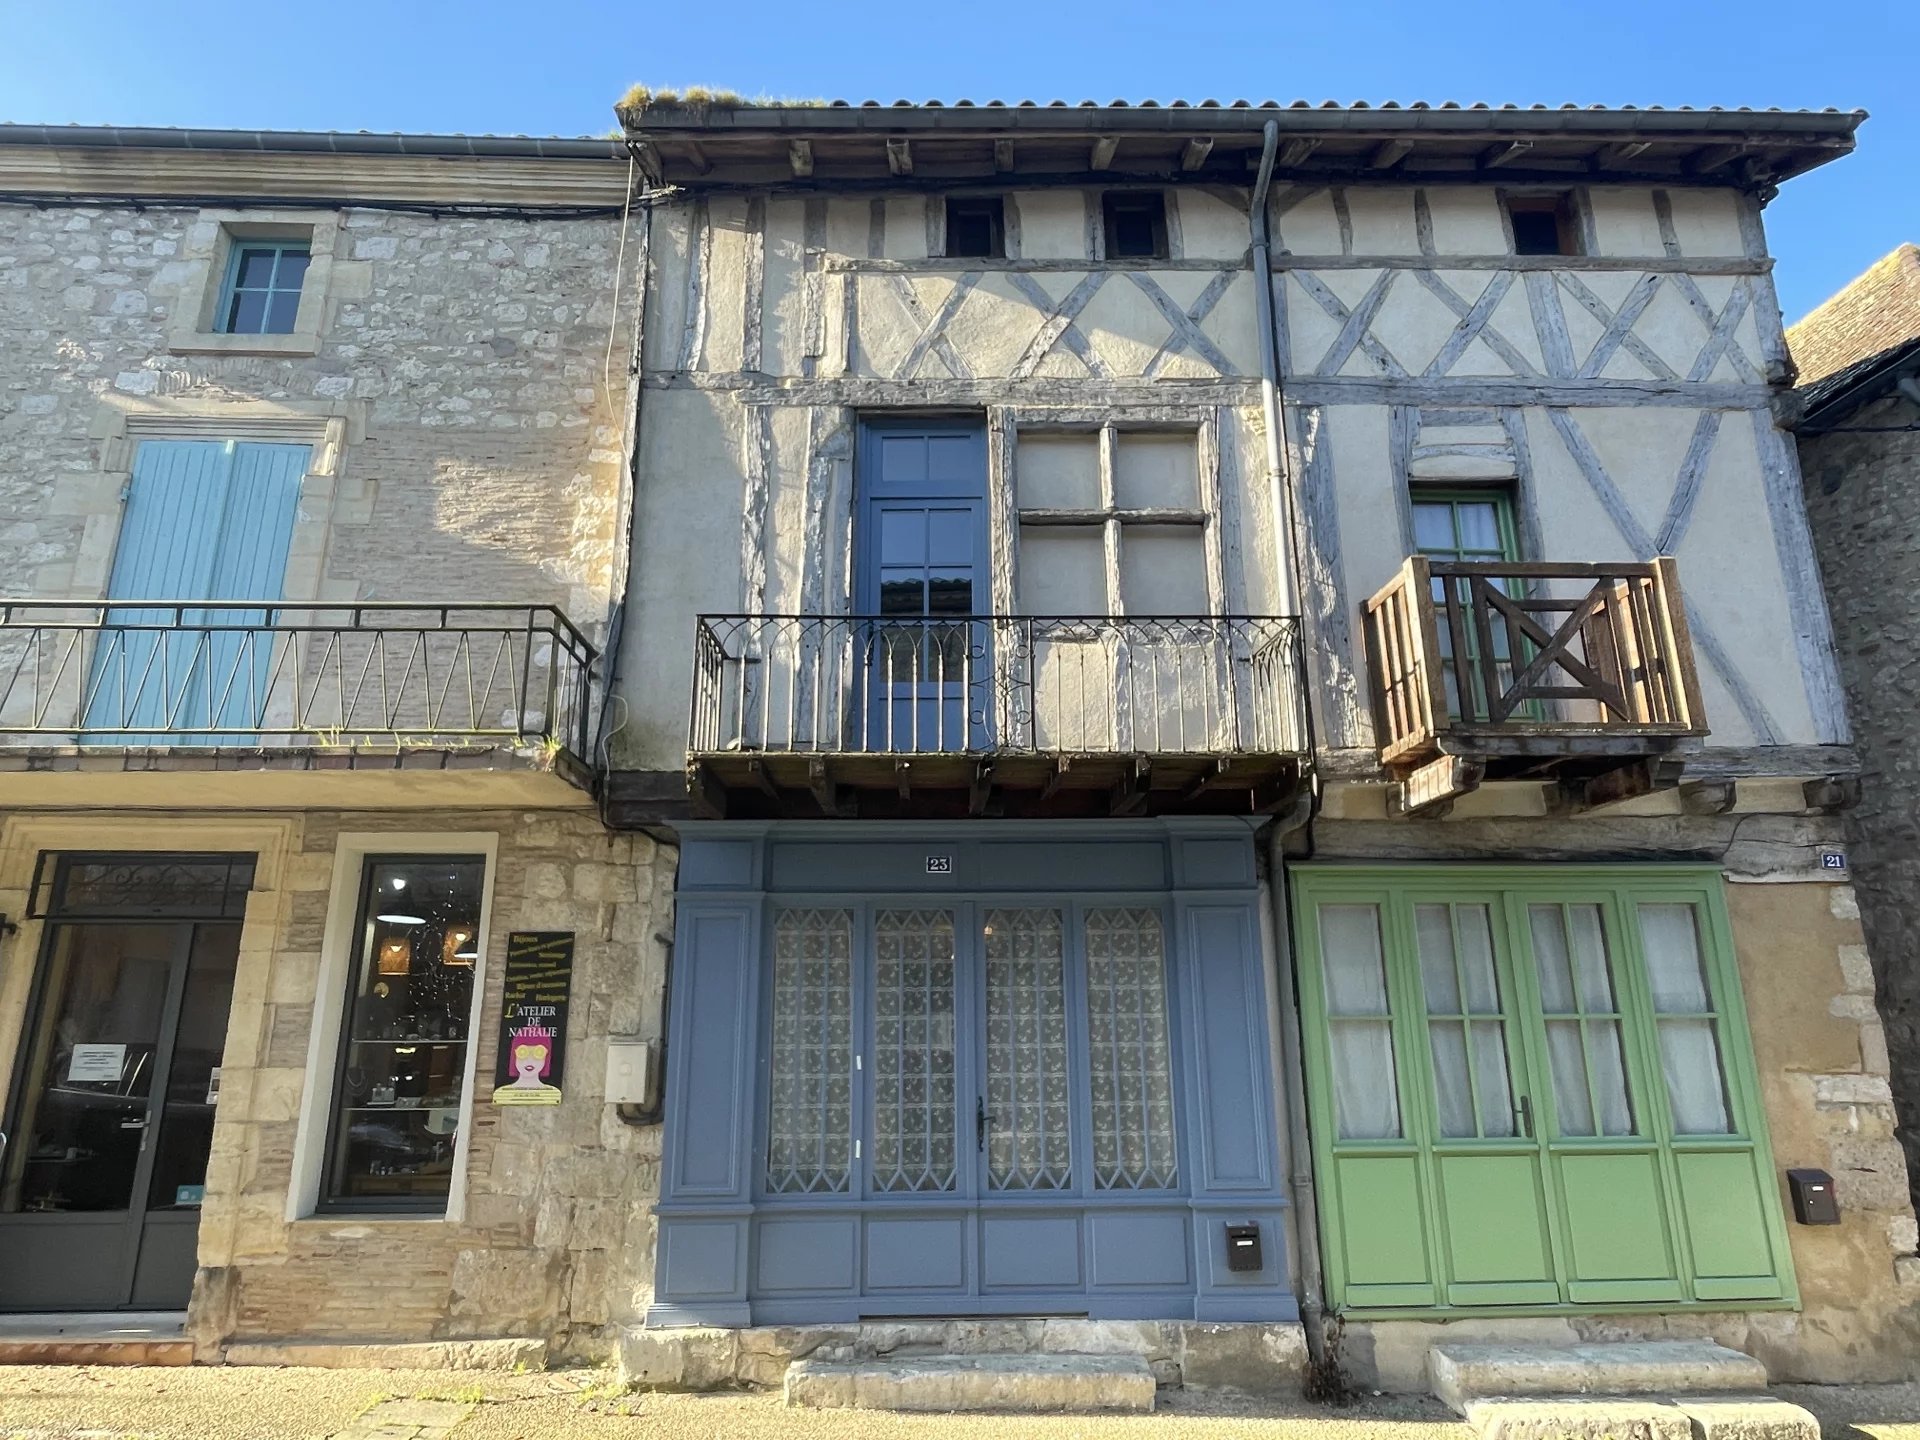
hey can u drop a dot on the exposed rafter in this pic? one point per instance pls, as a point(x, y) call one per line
point(1003, 155)
point(1389, 153)
point(800, 157)
point(1494, 156)
point(1295, 152)
point(697, 157)
point(1196, 152)
point(1712, 157)
point(899, 155)
point(1615, 157)
point(1102, 155)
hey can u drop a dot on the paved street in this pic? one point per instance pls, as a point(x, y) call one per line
point(38, 1403)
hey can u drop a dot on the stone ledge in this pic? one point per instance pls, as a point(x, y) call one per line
point(1578, 1418)
point(1022, 1384)
point(1261, 1358)
point(379, 1355)
point(1464, 1373)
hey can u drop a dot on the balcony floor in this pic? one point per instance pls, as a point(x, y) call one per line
point(755, 785)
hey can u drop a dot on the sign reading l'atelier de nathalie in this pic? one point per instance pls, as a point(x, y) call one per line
point(533, 1018)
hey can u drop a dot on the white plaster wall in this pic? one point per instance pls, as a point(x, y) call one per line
point(1053, 224)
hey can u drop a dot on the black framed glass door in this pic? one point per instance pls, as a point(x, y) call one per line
point(110, 1121)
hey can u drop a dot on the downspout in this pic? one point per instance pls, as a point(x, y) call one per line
point(1292, 1060)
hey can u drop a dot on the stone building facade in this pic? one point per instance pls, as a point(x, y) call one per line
point(1860, 454)
point(452, 386)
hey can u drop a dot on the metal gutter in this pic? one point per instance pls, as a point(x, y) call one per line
point(1295, 120)
point(311, 142)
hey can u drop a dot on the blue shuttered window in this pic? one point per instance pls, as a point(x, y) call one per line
point(205, 520)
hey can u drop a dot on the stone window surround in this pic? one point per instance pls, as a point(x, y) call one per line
point(337, 955)
point(25, 837)
point(120, 424)
point(210, 257)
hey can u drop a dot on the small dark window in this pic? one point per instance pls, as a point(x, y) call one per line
point(1544, 225)
point(1136, 224)
point(976, 227)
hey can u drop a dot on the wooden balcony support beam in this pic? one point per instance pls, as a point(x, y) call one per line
point(1708, 797)
point(1430, 791)
point(829, 796)
point(980, 794)
point(757, 772)
point(903, 778)
point(1832, 793)
point(1621, 783)
point(1129, 795)
point(707, 795)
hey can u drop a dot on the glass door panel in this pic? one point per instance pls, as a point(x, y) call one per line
point(915, 1085)
point(810, 1108)
point(84, 1117)
point(1130, 1050)
point(185, 1131)
point(1026, 1127)
point(1366, 1097)
point(1487, 1167)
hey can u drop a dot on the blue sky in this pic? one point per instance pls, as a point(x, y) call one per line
point(556, 66)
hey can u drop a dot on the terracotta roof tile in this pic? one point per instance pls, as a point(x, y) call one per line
point(1876, 313)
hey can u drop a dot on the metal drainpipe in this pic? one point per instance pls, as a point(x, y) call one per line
point(1292, 1062)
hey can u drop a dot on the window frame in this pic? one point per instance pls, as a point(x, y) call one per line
point(994, 210)
point(338, 955)
point(209, 251)
point(230, 286)
point(1154, 202)
point(1112, 518)
point(1562, 205)
point(972, 1190)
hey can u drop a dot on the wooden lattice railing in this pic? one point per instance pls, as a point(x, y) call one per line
point(1556, 653)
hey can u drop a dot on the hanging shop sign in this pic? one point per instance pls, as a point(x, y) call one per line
point(533, 1018)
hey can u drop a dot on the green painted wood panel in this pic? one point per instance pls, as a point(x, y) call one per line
point(1722, 1204)
point(1494, 1219)
point(1381, 1216)
point(1616, 1220)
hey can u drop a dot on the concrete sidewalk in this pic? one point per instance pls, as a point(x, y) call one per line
point(204, 1403)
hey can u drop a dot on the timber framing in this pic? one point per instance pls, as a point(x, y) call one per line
point(712, 145)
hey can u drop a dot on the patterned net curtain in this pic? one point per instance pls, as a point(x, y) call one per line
point(1027, 1079)
point(811, 1112)
point(913, 1051)
point(1130, 1057)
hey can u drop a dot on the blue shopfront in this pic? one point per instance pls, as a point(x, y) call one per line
point(1006, 1068)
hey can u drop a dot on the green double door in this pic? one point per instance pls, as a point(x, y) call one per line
point(1533, 1086)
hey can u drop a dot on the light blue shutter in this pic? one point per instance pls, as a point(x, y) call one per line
point(205, 520)
point(251, 564)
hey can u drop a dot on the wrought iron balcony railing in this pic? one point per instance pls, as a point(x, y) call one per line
point(996, 685)
point(1531, 659)
point(239, 673)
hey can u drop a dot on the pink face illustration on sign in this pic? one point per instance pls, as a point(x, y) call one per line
point(532, 1058)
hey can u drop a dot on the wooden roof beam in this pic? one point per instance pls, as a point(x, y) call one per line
point(697, 157)
point(1389, 153)
point(1196, 152)
point(1103, 149)
point(1713, 157)
point(1494, 156)
point(1617, 156)
point(1294, 152)
point(1003, 155)
point(899, 155)
point(800, 158)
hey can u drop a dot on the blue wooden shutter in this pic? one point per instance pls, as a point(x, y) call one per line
point(205, 520)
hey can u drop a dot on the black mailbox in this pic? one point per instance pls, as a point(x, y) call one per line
point(1814, 1202)
point(1243, 1248)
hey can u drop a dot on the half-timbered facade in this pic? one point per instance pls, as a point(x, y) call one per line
point(1256, 725)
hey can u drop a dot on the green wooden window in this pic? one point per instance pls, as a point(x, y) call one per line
point(1473, 522)
point(1533, 1086)
point(261, 295)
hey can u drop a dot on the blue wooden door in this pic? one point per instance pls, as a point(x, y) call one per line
point(205, 520)
point(924, 678)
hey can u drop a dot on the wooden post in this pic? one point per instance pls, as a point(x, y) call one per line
point(1679, 644)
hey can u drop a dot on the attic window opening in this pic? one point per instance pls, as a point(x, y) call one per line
point(976, 227)
point(1135, 223)
point(1544, 224)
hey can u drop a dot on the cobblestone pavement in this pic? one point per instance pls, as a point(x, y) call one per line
point(48, 1403)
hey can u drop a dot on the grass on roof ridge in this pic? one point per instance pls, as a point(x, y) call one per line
point(704, 97)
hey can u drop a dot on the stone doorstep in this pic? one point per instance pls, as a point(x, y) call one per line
point(380, 1355)
point(1020, 1384)
point(1641, 1417)
point(1462, 1373)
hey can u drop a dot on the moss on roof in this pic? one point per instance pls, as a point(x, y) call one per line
point(1877, 312)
